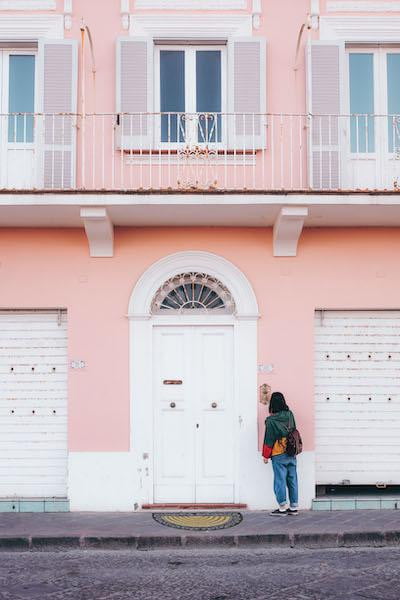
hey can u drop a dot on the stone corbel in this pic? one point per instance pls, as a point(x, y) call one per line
point(99, 231)
point(287, 230)
point(313, 18)
point(68, 15)
point(256, 14)
point(125, 14)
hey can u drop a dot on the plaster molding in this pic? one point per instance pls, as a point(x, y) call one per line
point(28, 5)
point(360, 28)
point(287, 230)
point(186, 27)
point(99, 231)
point(31, 27)
point(204, 262)
point(191, 4)
point(362, 6)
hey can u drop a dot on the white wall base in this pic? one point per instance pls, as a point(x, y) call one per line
point(257, 489)
point(107, 481)
point(102, 481)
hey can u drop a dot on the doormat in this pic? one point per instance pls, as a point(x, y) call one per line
point(199, 521)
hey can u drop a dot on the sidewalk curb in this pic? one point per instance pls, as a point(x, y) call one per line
point(354, 539)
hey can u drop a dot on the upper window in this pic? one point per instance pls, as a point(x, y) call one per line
point(18, 98)
point(190, 93)
point(374, 86)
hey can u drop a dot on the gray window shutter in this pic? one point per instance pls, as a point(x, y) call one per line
point(58, 76)
point(247, 93)
point(135, 93)
point(324, 99)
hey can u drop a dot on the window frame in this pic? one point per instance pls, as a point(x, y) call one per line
point(190, 91)
point(5, 54)
point(380, 91)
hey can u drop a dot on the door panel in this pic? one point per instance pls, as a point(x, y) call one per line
point(173, 443)
point(215, 436)
point(194, 441)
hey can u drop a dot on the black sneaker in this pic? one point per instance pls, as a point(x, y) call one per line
point(292, 512)
point(279, 513)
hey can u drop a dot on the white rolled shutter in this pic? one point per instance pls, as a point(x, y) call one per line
point(325, 79)
point(134, 92)
point(247, 93)
point(58, 68)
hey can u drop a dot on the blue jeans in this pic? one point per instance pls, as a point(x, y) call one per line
point(285, 475)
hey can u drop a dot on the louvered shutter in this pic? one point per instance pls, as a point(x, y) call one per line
point(247, 93)
point(58, 68)
point(325, 80)
point(134, 93)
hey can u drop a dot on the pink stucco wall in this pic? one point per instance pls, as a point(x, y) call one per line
point(346, 268)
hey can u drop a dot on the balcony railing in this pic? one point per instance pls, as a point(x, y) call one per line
point(199, 151)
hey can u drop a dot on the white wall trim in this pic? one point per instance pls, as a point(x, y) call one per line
point(362, 6)
point(172, 26)
point(247, 489)
point(31, 27)
point(191, 4)
point(360, 28)
point(287, 230)
point(99, 230)
point(28, 5)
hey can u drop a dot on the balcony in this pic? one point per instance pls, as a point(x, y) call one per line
point(209, 152)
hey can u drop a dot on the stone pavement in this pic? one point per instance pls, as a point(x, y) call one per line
point(24, 531)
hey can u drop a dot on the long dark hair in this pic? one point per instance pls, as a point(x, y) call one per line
point(277, 403)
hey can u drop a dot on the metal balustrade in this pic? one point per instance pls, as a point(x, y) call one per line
point(199, 151)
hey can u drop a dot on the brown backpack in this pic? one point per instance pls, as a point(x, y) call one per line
point(294, 443)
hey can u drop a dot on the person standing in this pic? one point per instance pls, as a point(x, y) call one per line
point(280, 421)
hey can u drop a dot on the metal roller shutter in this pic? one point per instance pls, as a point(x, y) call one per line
point(357, 387)
point(33, 403)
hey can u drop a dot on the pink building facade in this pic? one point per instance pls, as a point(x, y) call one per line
point(197, 198)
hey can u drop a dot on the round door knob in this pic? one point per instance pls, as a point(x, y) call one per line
point(172, 405)
point(214, 405)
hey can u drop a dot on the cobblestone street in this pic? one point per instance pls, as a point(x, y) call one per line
point(208, 574)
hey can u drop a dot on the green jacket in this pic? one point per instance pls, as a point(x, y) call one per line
point(277, 427)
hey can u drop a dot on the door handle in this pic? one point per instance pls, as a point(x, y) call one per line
point(172, 382)
point(172, 405)
point(214, 405)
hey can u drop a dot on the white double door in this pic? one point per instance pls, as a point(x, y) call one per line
point(194, 445)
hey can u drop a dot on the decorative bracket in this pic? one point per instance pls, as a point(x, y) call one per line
point(125, 19)
point(256, 14)
point(287, 230)
point(99, 231)
point(68, 14)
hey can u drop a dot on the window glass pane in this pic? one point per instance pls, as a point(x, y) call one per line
point(21, 97)
point(172, 94)
point(393, 93)
point(208, 94)
point(362, 102)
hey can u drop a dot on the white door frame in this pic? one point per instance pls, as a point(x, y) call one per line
point(244, 323)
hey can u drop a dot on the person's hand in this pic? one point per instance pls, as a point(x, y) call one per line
point(266, 460)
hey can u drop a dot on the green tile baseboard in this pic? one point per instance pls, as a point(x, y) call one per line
point(356, 504)
point(34, 505)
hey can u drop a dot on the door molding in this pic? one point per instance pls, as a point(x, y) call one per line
point(244, 324)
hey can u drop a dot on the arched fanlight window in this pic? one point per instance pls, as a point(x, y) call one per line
point(190, 292)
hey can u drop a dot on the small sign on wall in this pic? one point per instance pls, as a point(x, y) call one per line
point(265, 368)
point(78, 364)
